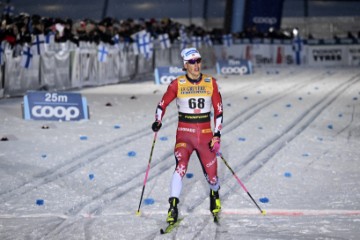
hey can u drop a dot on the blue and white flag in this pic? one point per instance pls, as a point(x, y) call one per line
point(227, 40)
point(103, 51)
point(2, 53)
point(208, 41)
point(49, 41)
point(117, 44)
point(144, 44)
point(184, 40)
point(50, 38)
point(127, 42)
point(135, 44)
point(164, 41)
point(116, 39)
point(8, 10)
point(182, 31)
point(26, 57)
point(38, 44)
point(298, 47)
point(196, 41)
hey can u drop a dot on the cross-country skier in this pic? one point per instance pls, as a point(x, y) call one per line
point(195, 95)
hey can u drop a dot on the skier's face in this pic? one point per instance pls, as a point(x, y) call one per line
point(193, 68)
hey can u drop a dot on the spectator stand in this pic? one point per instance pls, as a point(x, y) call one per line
point(86, 53)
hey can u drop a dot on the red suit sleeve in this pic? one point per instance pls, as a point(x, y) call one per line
point(167, 98)
point(218, 108)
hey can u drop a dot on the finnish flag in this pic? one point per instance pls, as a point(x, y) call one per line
point(208, 41)
point(164, 41)
point(2, 53)
point(144, 43)
point(184, 40)
point(26, 57)
point(38, 44)
point(297, 48)
point(49, 41)
point(102, 53)
point(227, 40)
point(117, 44)
point(8, 10)
point(196, 41)
point(50, 38)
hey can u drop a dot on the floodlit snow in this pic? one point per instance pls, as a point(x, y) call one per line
point(291, 135)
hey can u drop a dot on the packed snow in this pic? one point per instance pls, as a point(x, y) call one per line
point(290, 134)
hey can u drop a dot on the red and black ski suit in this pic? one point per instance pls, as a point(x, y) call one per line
point(194, 101)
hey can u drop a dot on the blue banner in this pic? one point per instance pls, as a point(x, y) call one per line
point(164, 75)
point(263, 14)
point(233, 67)
point(55, 106)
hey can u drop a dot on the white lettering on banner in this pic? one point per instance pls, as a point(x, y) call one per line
point(58, 111)
point(54, 97)
point(262, 60)
point(289, 59)
point(234, 70)
point(167, 79)
point(354, 51)
point(354, 56)
point(175, 70)
point(234, 62)
point(327, 54)
point(265, 20)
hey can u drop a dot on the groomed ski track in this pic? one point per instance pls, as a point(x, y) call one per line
point(270, 121)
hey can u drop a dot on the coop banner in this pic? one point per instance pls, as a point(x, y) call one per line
point(55, 106)
point(233, 67)
point(165, 74)
point(263, 14)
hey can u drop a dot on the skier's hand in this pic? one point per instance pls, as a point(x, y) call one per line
point(214, 144)
point(156, 126)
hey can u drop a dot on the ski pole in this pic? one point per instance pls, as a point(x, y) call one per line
point(263, 212)
point(146, 174)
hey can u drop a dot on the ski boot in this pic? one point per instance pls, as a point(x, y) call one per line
point(215, 204)
point(173, 211)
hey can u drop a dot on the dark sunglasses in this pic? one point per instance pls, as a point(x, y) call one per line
point(193, 61)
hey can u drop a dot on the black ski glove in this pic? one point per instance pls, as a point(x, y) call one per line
point(156, 126)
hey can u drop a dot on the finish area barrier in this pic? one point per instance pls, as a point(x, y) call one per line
point(67, 66)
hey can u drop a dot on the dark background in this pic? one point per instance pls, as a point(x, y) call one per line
point(122, 9)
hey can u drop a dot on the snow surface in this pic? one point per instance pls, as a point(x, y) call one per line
point(290, 134)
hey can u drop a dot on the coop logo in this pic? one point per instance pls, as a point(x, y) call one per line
point(167, 79)
point(265, 20)
point(233, 67)
point(55, 106)
point(326, 55)
point(164, 75)
point(234, 70)
point(58, 112)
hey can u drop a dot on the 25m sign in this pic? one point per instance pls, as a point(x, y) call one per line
point(55, 106)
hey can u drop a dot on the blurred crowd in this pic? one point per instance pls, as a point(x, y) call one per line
point(18, 29)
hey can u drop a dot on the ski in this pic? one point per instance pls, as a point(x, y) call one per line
point(171, 227)
point(216, 218)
